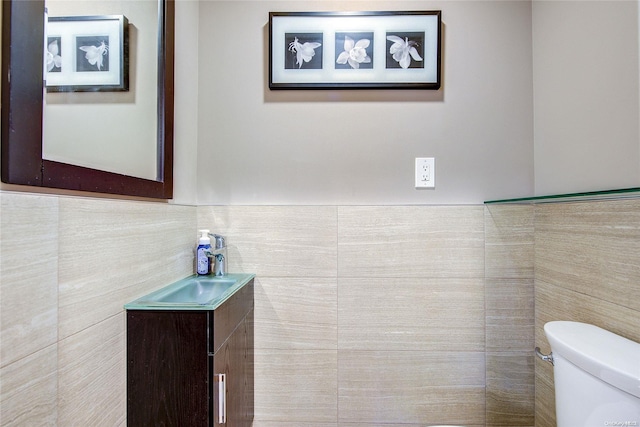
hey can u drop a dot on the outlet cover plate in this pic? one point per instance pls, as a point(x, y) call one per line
point(425, 172)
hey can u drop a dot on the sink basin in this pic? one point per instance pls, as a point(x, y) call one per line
point(200, 290)
point(194, 292)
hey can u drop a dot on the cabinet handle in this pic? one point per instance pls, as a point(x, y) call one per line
point(221, 379)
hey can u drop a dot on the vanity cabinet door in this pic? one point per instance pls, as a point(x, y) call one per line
point(167, 365)
point(234, 359)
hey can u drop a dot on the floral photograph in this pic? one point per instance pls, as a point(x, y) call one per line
point(54, 55)
point(405, 50)
point(93, 53)
point(303, 51)
point(354, 50)
point(344, 50)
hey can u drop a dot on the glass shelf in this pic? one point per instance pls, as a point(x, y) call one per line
point(625, 193)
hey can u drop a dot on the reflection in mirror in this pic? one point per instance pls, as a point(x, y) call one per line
point(87, 125)
point(113, 121)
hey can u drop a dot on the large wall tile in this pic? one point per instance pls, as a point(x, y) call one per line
point(509, 241)
point(411, 387)
point(411, 314)
point(509, 325)
point(112, 252)
point(92, 375)
point(591, 248)
point(557, 303)
point(29, 390)
point(278, 241)
point(296, 386)
point(510, 389)
point(28, 274)
point(509, 314)
point(411, 241)
point(296, 313)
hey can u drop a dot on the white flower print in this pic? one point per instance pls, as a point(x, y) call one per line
point(403, 51)
point(354, 53)
point(53, 57)
point(304, 51)
point(94, 54)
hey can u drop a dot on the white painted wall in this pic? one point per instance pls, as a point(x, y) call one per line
point(585, 58)
point(186, 103)
point(239, 143)
point(256, 146)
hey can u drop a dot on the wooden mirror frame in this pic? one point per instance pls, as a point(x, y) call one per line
point(22, 104)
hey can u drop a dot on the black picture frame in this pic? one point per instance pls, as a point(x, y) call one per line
point(355, 50)
point(87, 53)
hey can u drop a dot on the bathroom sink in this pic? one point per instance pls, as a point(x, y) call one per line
point(200, 290)
point(192, 293)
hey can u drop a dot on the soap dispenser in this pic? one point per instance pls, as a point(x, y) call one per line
point(202, 253)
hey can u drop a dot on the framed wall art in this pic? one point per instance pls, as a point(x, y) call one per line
point(87, 53)
point(355, 50)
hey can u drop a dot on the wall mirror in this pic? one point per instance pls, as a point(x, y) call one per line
point(86, 139)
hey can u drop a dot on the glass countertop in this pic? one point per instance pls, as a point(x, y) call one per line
point(192, 293)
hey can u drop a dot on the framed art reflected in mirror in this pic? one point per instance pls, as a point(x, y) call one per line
point(87, 53)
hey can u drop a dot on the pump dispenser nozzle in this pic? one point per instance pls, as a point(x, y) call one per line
point(204, 237)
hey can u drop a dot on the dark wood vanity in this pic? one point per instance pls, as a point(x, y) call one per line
point(192, 367)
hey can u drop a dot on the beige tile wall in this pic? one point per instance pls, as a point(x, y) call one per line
point(292, 250)
point(364, 315)
point(587, 267)
point(67, 266)
point(509, 278)
point(28, 309)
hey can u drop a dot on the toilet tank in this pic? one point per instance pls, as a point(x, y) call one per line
point(596, 376)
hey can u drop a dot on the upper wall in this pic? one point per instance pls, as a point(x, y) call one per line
point(585, 57)
point(257, 146)
point(186, 103)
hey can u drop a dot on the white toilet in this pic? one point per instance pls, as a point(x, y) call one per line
point(596, 375)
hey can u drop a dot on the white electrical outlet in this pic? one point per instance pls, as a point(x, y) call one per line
point(425, 172)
